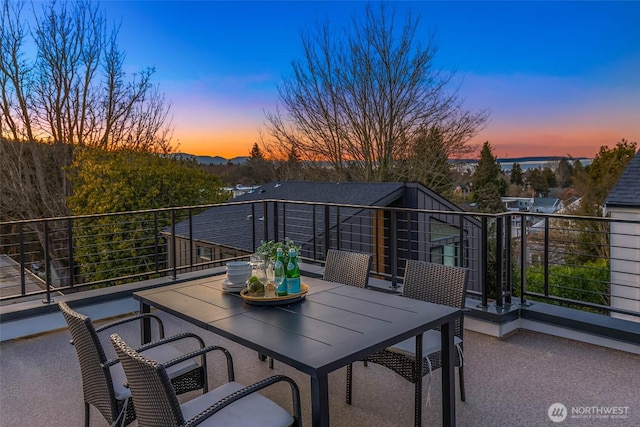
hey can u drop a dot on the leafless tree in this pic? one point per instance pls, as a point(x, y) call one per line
point(73, 92)
point(359, 97)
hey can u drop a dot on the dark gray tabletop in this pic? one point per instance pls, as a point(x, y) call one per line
point(333, 326)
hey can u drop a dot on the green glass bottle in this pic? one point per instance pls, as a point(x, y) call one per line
point(293, 273)
point(279, 274)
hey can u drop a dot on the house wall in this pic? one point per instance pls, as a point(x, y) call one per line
point(467, 243)
point(625, 262)
point(202, 255)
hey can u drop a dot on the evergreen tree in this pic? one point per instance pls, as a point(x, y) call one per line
point(257, 170)
point(428, 163)
point(538, 183)
point(595, 182)
point(516, 174)
point(564, 171)
point(488, 183)
point(549, 178)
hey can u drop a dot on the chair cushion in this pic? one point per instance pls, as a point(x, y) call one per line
point(252, 410)
point(161, 353)
point(430, 344)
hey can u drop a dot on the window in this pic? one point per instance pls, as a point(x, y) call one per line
point(441, 230)
point(445, 253)
point(205, 253)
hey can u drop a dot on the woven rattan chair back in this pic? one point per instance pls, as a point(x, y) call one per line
point(349, 268)
point(97, 385)
point(436, 283)
point(153, 395)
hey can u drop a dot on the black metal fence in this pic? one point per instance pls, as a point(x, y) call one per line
point(581, 262)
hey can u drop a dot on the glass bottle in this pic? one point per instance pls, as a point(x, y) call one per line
point(279, 276)
point(293, 273)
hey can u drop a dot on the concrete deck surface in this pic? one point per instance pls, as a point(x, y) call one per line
point(510, 382)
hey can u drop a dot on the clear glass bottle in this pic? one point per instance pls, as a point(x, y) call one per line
point(293, 273)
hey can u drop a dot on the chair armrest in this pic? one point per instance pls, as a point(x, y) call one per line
point(109, 363)
point(135, 317)
point(173, 338)
point(157, 343)
point(230, 371)
point(226, 401)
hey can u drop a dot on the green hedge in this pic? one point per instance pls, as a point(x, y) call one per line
point(587, 283)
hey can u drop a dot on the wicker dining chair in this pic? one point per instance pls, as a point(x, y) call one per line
point(102, 379)
point(348, 268)
point(230, 404)
point(436, 283)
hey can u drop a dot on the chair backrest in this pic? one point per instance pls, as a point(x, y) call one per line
point(436, 283)
point(153, 395)
point(97, 385)
point(349, 268)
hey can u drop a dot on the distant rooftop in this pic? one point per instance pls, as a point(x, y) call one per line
point(626, 192)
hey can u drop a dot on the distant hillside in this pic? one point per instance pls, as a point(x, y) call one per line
point(215, 160)
point(505, 163)
point(533, 162)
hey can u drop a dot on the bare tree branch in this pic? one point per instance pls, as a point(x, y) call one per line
point(363, 95)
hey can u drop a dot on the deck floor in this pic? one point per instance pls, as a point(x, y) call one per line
point(510, 382)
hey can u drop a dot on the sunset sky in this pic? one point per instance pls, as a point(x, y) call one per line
point(559, 78)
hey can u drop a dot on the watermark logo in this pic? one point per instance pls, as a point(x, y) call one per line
point(557, 412)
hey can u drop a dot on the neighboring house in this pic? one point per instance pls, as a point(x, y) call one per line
point(239, 190)
point(623, 202)
point(546, 205)
point(518, 204)
point(233, 229)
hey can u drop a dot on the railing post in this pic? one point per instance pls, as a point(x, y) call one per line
point(483, 262)
point(338, 245)
point(508, 259)
point(393, 248)
point(191, 238)
point(265, 221)
point(23, 279)
point(499, 261)
point(327, 237)
point(523, 259)
point(253, 226)
point(284, 220)
point(174, 241)
point(314, 231)
point(461, 259)
point(275, 222)
point(546, 256)
point(71, 257)
point(156, 239)
point(47, 267)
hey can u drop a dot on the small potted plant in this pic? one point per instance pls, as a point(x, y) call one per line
point(269, 249)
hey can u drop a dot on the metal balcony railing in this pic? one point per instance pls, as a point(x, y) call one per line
point(588, 263)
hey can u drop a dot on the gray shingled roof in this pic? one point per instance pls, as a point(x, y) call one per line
point(354, 193)
point(232, 225)
point(626, 192)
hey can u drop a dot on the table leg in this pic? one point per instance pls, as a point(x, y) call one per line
point(448, 375)
point(417, 410)
point(320, 401)
point(145, 326)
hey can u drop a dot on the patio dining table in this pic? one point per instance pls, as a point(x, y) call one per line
point(333, 326)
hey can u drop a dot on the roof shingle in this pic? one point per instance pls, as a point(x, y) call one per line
point(626, 192)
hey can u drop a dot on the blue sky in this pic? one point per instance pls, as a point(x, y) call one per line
point(558, 77)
